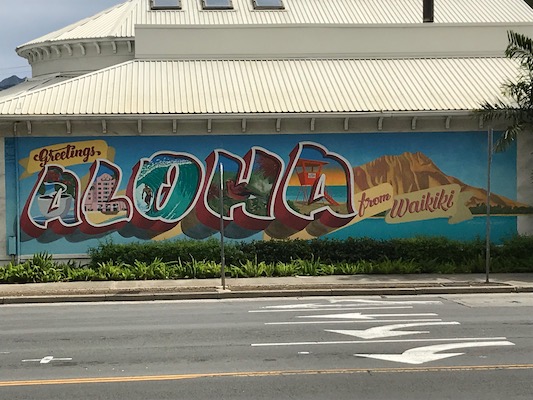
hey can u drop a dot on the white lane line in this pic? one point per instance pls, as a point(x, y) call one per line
point(320, 305)
point(306, 305)
point(366, 316)
point(376, 341)
point(365, 321)
point(421, 355)
point(366, 301)
point(47, 359)
point(331, 309)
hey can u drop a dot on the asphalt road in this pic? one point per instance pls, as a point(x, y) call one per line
point(438, 347)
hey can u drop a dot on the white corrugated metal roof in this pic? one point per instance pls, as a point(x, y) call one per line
point(32, 84)
point(120, 21)
point(142, 87)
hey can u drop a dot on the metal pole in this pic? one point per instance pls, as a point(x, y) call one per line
point(487, 236)
point(17, 232)
point(222, 258)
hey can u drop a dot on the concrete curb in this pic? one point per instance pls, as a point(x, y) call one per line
point(264, 293)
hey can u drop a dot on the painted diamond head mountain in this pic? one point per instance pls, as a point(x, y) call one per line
point(411, 172)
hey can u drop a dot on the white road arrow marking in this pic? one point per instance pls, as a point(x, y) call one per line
point(421, 355)
point(378, 332)
point(364, 321)
point(330, 309)
point(47, 359)
point(375, 302)
point(315, 305)
point(309, 305)
point(365, 316)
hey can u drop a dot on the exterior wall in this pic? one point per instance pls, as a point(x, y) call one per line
point(76, 58)
point(525, 180)
point(281, 41)
point(379, 184)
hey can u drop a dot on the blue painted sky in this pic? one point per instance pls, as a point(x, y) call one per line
point(463, 156)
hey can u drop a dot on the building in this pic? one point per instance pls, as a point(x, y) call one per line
point(162, 95)
point(98, 196)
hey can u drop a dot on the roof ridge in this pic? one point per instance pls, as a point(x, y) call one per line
point(69, 28)
point(336, 12)
point(127, 12)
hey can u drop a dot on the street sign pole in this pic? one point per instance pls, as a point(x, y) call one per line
point(222, 257)
point(487, 235)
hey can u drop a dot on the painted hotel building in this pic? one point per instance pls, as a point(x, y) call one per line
point(99, 195)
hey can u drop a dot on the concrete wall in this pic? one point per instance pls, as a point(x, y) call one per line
point(525, 180)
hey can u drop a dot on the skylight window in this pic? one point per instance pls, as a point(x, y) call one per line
point(165, 4)
point(217, 5)
point(268, 4)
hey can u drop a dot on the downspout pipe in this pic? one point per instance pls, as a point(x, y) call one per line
point(17, 202)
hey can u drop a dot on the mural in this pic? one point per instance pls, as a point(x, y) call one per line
point(272, 187)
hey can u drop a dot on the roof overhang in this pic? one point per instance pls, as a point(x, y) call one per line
point(102, 125)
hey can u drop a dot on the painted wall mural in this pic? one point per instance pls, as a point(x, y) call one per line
point(70, 194)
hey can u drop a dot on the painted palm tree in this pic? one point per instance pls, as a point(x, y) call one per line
point(518, 109)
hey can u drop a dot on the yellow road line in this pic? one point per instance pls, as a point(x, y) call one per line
point(154, 378)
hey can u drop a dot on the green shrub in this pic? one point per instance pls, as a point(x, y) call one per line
point(398, 266)
point(360, 267)
point(166, 251)
point(283, 269)
point(17, 273)
point(201, 259)
point(82, 274)
point(326, 269)
point(435, 249)
point(108, 271)
point(208, 269)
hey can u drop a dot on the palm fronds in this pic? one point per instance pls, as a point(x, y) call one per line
point(520, 47)
point(517, 109)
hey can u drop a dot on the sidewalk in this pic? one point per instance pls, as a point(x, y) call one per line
point(297, 286)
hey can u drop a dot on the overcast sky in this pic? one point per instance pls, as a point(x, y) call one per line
point(25, 20)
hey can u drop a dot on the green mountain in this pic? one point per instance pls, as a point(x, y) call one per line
point(11, 81)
